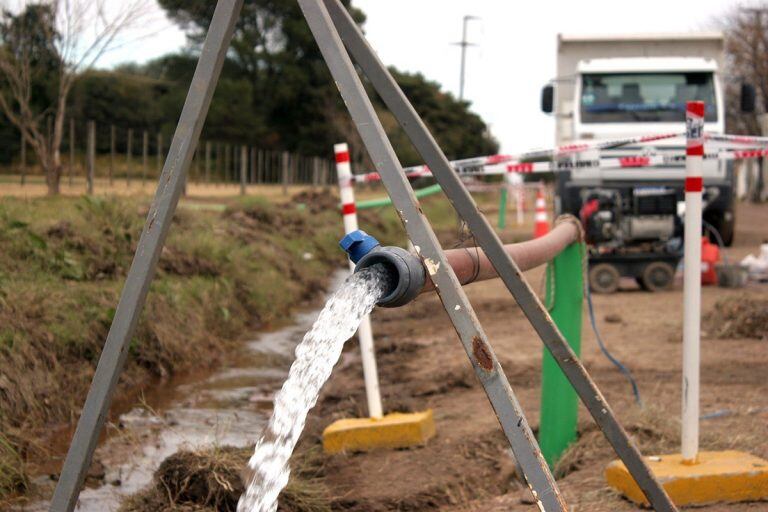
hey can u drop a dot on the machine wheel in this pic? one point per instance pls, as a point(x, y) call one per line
point(657, 276)
point(604, 278)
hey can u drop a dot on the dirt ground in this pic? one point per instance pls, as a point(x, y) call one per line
point(466, 467)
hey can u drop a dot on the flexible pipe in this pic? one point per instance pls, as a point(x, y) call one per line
point(471, 264)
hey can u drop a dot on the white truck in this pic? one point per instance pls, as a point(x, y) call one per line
point(610, 87)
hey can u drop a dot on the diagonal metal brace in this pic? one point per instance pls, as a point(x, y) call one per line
point(456, 304)
point(510, 274)
point(150, 244)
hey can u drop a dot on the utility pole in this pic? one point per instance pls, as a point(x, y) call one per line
point(464, 43)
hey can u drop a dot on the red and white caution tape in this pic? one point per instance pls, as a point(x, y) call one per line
point(604, 144)
point(494, 164)
point(474, 165)
point(747, 140)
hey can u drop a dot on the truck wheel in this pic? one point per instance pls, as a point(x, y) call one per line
point(604, 278)
point(657, 276)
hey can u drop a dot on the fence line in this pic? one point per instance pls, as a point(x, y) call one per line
point(108, 151)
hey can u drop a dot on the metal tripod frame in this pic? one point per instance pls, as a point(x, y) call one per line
point(325, 18)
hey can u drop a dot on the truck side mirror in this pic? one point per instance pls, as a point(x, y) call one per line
point(547, 98)
point(747, 98)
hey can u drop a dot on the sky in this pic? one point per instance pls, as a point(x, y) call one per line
point(514, 54)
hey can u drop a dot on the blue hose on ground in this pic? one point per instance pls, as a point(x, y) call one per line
point(623, 369)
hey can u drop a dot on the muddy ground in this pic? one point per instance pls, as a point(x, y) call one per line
point(465, 467)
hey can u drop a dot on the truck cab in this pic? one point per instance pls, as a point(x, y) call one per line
point(612, 87)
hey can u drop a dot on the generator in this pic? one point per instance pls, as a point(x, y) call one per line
point(631, 231)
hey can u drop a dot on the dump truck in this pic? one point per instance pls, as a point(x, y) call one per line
point(612, 87)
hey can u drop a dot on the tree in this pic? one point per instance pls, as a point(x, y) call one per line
point(273, 48)
point(43, 48)
point(746, 46)
point(293, 93)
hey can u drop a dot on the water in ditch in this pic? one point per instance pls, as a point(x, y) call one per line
point(316, 356)
point(230, 406)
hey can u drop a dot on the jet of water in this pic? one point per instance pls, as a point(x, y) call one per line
point(316, 355)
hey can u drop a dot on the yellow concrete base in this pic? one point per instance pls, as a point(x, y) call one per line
point(728, 476)
point(396, 430)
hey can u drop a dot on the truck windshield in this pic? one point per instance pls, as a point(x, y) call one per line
point(644, 97)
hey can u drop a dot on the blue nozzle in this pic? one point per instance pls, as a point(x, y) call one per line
point(357, 244)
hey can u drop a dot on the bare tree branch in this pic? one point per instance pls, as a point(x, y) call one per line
point(79, 33)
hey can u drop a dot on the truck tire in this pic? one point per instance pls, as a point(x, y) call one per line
point(657, 276)
point(604, 278)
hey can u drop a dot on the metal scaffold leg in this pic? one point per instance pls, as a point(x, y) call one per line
point(392, 176)
point(148, 250)
point(474, 340)
point(454, 300)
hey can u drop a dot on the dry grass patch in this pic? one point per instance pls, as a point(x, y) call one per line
point(213, 479)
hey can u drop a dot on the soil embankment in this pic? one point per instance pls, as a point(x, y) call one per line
point(467, 467)
point(224, 272)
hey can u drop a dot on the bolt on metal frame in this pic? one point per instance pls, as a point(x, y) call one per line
point(170, 187)
point(393, 97)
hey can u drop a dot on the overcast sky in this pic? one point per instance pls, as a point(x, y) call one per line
point(515, 52)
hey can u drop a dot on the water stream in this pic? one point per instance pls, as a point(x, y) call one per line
point(226, 407)
point(316, 356)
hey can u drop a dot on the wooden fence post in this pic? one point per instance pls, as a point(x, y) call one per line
point(286, 163)
point(207, 162)
point(91, 155)
point(252, 174)
point(144, 157)
point(243, 168)
point(315, 172)
point(71, 150)
point(112, 154)
point(128, 155)
point(234, 170)
point(23, 166)
point(225, 173)
point(159, 153)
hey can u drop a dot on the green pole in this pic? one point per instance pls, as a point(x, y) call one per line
point(503, 208)
point(559, 404)
point(386, 201)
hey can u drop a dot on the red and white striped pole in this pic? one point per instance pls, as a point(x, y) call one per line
point(694, 155)
point(364, 332)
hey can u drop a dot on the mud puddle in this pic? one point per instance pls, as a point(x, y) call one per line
point(226, 407)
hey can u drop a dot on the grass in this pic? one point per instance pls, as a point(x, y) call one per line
point(63, 266)
point(210, 480)
point(13, 478)
point(221, 274)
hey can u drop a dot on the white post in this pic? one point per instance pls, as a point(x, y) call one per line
point(694, 119)
point(744, 168)
point(364, 332)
